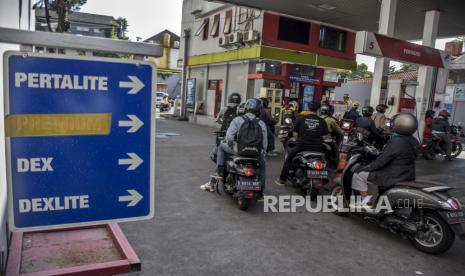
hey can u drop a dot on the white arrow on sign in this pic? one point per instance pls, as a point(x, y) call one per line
point(135, 84)
point(134, 161)
point(133, 198)
point(134, 124)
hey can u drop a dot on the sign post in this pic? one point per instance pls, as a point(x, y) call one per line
point(80, 140)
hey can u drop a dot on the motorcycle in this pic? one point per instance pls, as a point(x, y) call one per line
point(241, 177)
point(432, 147)
point(422, 212)
point(309, 171)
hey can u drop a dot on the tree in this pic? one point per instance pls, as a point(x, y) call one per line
point(361, 72)
point(405, 67)
point(392, 69)
point(120, 28)
point(62, 8)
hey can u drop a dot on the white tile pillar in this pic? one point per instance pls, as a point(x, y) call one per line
point(426, 75)
point(387, 19)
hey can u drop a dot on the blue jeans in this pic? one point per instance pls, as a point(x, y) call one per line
point(224, 149)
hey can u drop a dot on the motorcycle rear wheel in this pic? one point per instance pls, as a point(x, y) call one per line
point(458, 150)
point(244, 203)
point(438, 238)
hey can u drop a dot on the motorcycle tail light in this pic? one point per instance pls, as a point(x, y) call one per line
point(248, 194)
point(249, 171)
point(454, 203)
point(318, 165)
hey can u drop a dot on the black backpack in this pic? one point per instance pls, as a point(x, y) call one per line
point(229, 115)
point(250, 138)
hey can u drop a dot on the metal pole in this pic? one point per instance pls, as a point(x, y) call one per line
point(185, 62)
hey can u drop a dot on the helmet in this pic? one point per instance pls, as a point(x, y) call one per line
point(241, 109)
point(430, 113)
point(265, 102)
point(253, 106)
point(293, 105)
point(327, 110)
point(367, 111)
point(444, 113)
point(355, 105)
point(234, 98)
point(404, 124)
point(381, 108)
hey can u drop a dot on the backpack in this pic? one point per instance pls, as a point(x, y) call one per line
point(228, 117)
point(250, 138)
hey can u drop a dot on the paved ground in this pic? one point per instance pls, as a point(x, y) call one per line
point(197, 233)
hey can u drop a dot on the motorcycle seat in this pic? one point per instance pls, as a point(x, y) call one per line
point(307, 154)
point(424, 185)
point(237, 158)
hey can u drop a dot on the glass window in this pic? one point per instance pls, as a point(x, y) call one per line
point(331, 38)
point(228, 22)
point(203, 29)
point(216, 26)
point(293, 30)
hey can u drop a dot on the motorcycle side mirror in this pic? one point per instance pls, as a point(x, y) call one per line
point(288, 121)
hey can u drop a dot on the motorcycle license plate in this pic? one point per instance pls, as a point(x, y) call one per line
point(318, 174)
point(248, 184)
point(456, 216)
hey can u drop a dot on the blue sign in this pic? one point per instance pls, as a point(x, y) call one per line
point(309, 93)
point(80, 140)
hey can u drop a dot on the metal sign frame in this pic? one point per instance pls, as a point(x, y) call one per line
point(6, 55)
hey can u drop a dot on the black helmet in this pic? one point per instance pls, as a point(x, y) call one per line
point(235, 98)
point(327, 110)
point(367, 111)
point(404, 124)
point(265, 102)
point(381, 108)
point(253, 106)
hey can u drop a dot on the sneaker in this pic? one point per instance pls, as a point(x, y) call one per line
point(279, 182)
point(208, 187)
point(365, 204)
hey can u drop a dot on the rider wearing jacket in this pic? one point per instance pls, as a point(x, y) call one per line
point(353, 114)
point(335, 132)
point(366, 123)
point(379, 118)
point(396, 163)
point(441, 128)
point(253, 109)
point(228, 113)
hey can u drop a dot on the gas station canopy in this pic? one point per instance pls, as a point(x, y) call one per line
point(364, 14)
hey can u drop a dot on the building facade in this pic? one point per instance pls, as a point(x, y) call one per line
point(86, 24)
point(257, 53)
point(168, 70)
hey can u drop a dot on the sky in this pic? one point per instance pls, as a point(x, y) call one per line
point(145, 17)
point(149, 17)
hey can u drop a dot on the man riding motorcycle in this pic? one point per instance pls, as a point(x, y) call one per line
point(308, 131)
point(379, 118)
point(395, 164)
point(353, 114)
point(366, 123)
point(441, 128)
point(335, 132)
point(253, 109)
point(227, 114)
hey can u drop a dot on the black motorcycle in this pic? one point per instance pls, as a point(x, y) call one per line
point(309, 171)
point(432, 147)
point(422, 212)
point(241, 177)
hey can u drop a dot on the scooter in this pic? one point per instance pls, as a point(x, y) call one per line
point(241, 177)
point(309, 171)
point(422, 212)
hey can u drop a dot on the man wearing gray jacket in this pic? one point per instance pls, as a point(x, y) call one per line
point(253, 110)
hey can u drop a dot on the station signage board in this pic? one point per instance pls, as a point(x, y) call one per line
point(80, 140)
